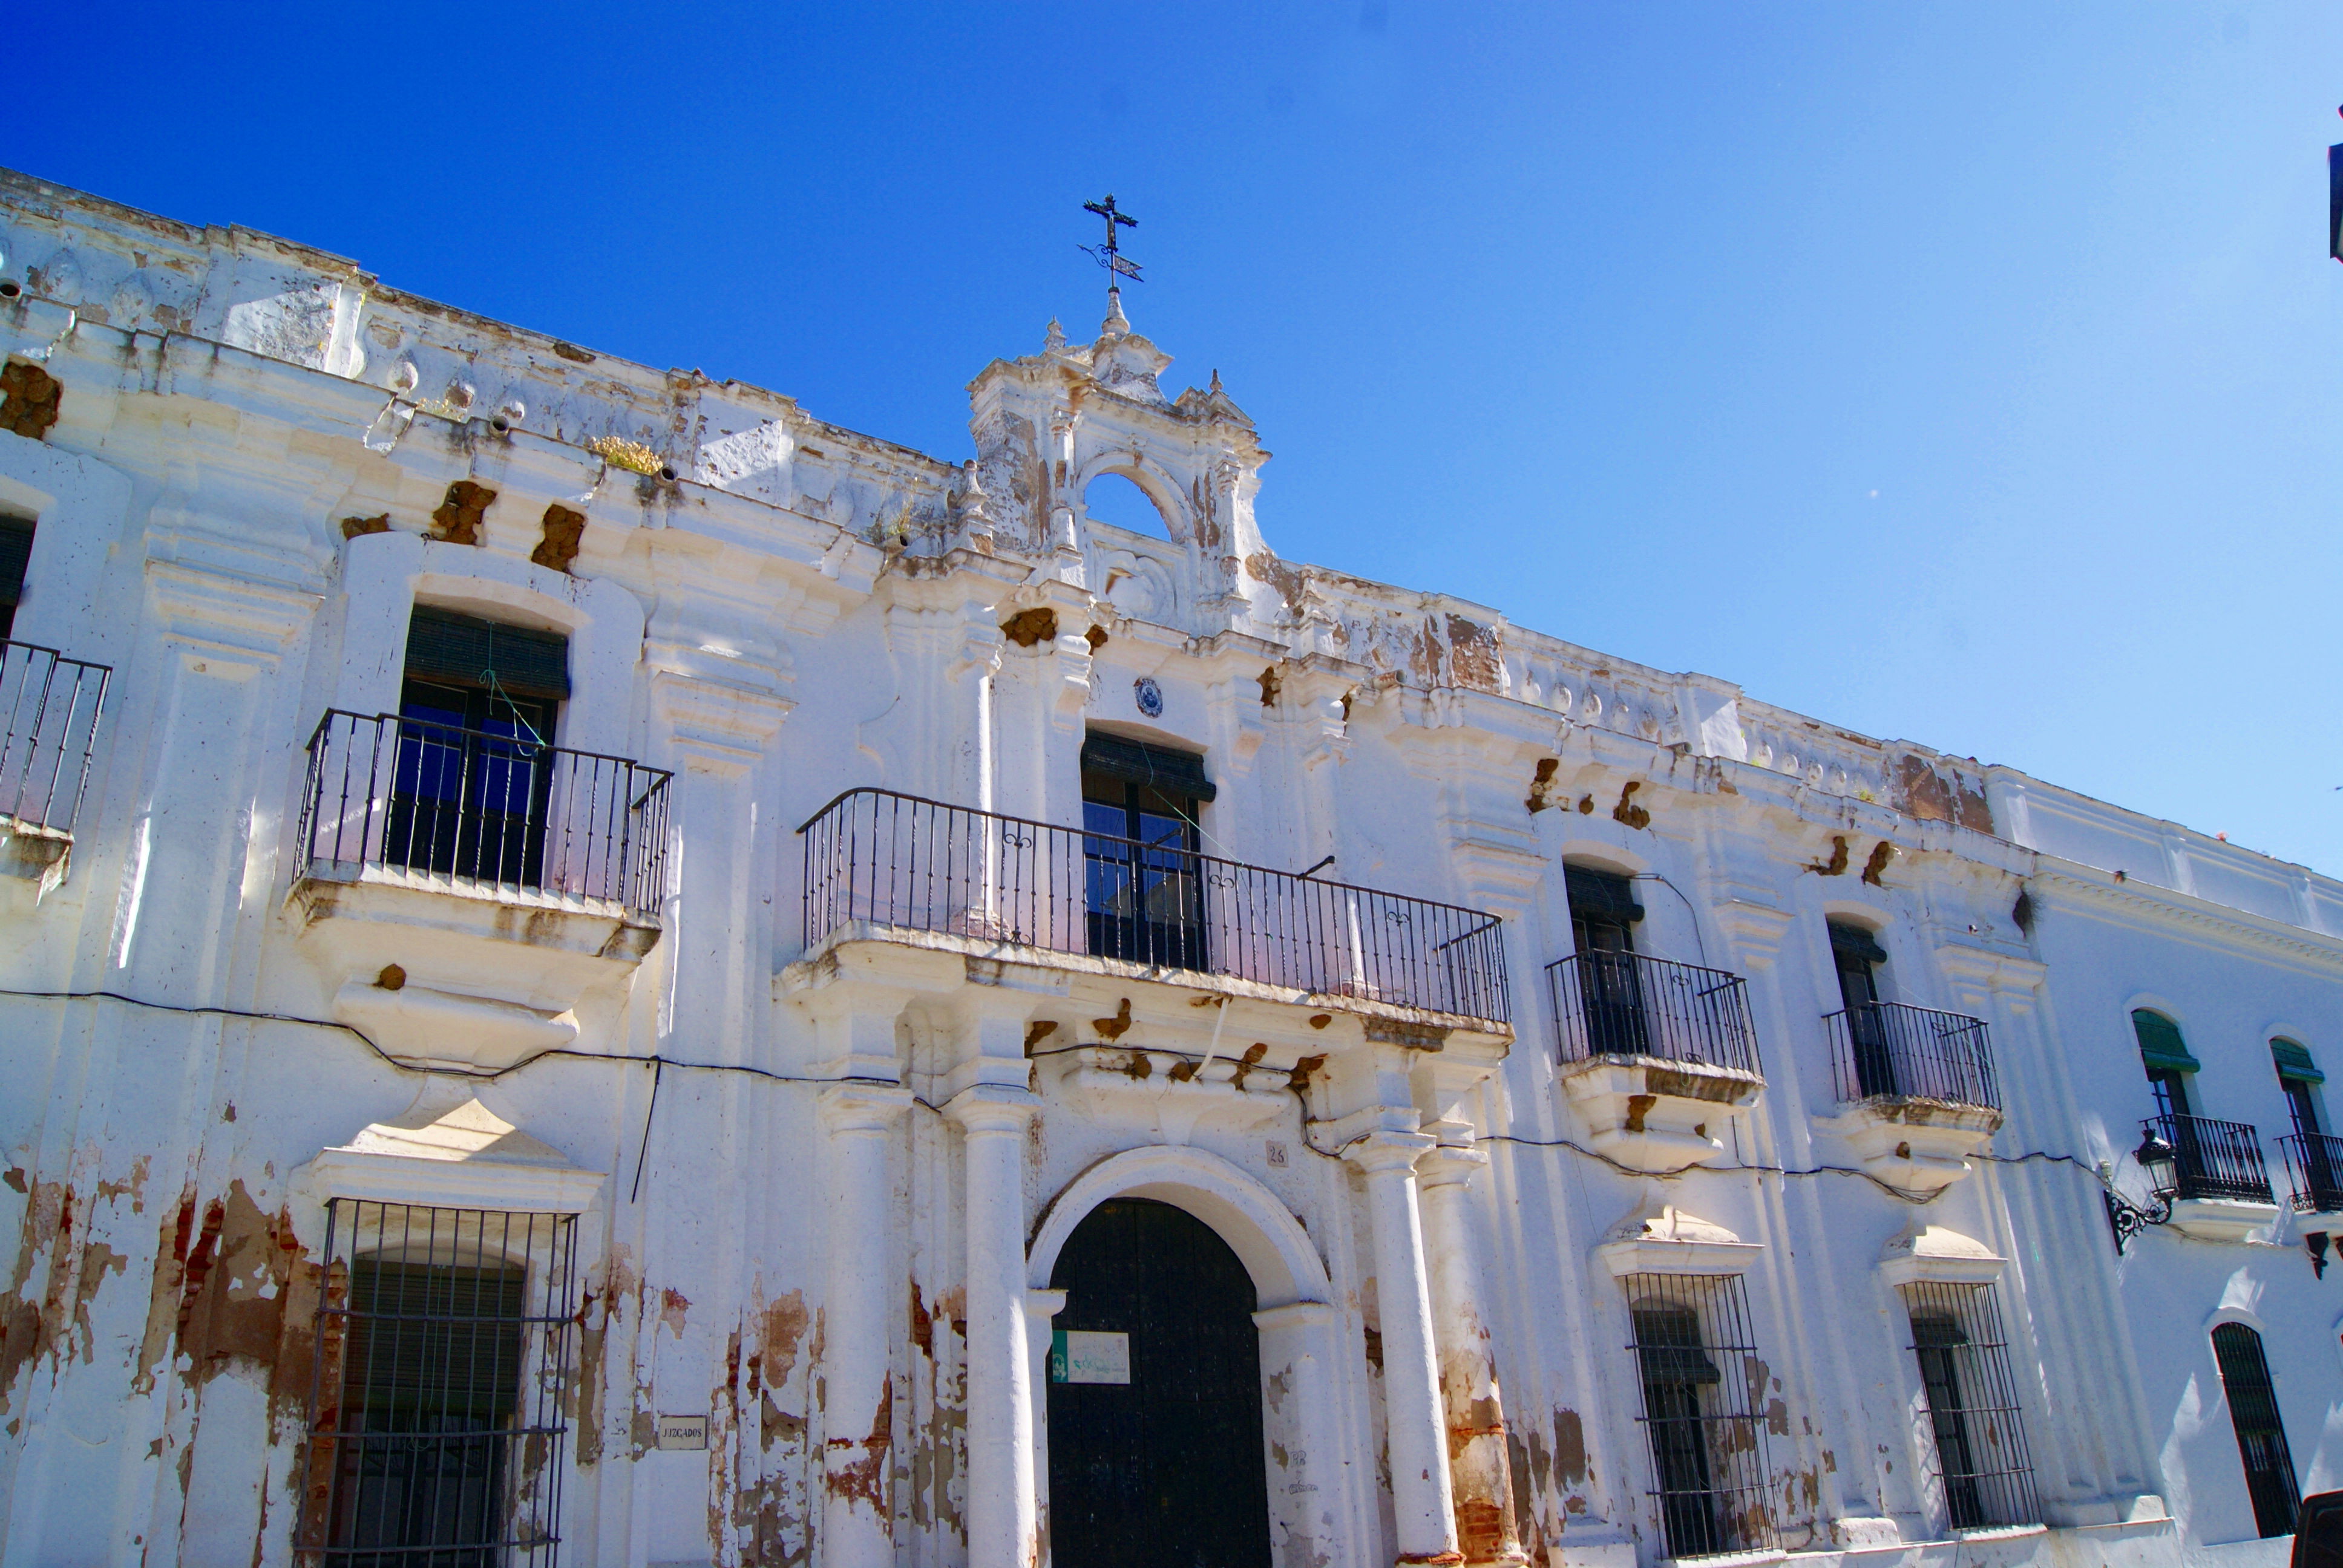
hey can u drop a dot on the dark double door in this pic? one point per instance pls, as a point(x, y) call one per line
point(1165, 1471)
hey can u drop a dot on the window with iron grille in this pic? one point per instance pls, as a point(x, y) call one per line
point(1697, 1361)
point(2261, 1436)
point(436, 1431)
point(1973, 1412)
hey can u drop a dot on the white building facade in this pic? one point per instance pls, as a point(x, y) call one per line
point(598, 971)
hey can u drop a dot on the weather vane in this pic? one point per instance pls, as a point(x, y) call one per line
point(1109, 255)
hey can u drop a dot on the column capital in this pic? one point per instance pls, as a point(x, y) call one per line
point(1386, 1151)
point(1297, 1315)
point(715, 726)
point(1451, 1164)
point(988, 1108)
point(862, 1106)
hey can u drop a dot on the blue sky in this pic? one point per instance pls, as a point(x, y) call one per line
point(1964, 374)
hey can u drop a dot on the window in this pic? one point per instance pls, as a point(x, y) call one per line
point(1143, 889)
point(2316, 1155)
point(2261, 1438)
point(2299, 1078)
point(1695, 1358)
point(1973, 1414)
point(16, 555)
point(1856, 955)
point(474, 777)
point(436, 1430)
point(1603, 916)
point(2165, 1056)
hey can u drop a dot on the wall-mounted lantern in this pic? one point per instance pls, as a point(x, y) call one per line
point(2161, 1162)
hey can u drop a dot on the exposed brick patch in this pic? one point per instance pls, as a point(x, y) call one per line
point(563, 529)
point(1027, 628)
point(29, 400)
point(1542, 781)
point(457, 520)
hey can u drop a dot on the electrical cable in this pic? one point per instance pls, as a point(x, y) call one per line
point(1698, 939)
point(659, 1064)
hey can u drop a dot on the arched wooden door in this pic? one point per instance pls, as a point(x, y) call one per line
point(1155, 1447)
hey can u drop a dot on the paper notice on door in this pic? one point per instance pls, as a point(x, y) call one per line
point(1079, 1355)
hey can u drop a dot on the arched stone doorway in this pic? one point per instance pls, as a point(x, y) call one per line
point(1319, 1508)
point(1154, 1397)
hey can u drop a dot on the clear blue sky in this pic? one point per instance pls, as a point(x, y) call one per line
point(1962, 373)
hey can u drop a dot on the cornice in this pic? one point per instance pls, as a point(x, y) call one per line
point(2145, 902)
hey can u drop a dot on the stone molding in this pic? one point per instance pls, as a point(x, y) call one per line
point(1265, 1236)
point(1936, 1254)
point(1671, 1242)
point(444, 1153)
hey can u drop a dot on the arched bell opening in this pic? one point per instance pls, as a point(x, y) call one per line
point(1119, 502)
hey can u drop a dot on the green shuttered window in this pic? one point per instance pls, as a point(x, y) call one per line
point(2160, 1045)
point(2294, 1061)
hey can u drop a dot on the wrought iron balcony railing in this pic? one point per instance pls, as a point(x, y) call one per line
point(49, 707)
point(482, 810)
point(2315, 1163)
point(890, 860)
point(1625, 1004)
point(1887, 1050)
point(2214, 1159)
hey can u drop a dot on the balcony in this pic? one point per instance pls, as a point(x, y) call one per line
point(2314, 1161)
point(466, 889)
point(49, 708)
point(2220, 1189)
point(892, 867)
point(1652, 1054)
point(1917, 1092)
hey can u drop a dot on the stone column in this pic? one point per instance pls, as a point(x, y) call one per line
point(1316, 1496)
point(1000, 1513)
point(1041, 1309)
point(858, 1389)
point(1481, 1472)
point(1415, 1430)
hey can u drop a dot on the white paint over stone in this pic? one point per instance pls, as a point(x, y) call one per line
point(817, 1183)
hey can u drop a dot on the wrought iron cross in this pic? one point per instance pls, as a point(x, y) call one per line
point(1109, 255)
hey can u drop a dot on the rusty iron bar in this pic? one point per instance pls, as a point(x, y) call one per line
point(436, 1425)
point(2314, 1162)
point(1983, 1460)
point(1888, 1050)
point(1626, 1004)
point(2214, 1159)
point(472, 807)
point(49, 736)
point(890, 860)
point(1696, 1354)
